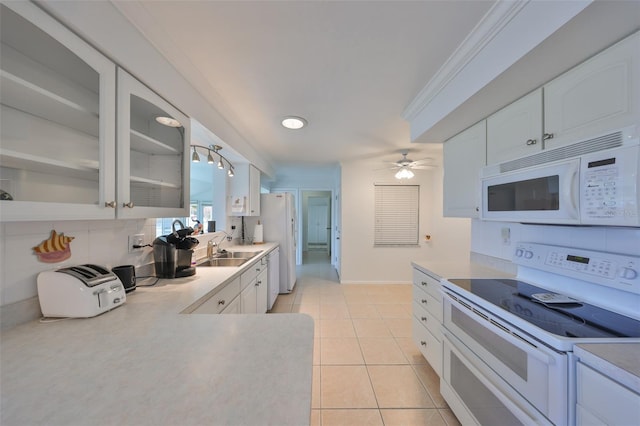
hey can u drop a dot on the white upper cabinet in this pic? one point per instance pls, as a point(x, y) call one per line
point(153, 163)
point(58, 130)
point(244, 191)
point(516, 130)
point(57, 140)
point(464, 157)
point(597, 96)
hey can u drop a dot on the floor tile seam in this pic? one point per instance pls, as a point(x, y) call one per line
point(424, 386)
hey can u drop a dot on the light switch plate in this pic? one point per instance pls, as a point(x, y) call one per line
point(506, 236)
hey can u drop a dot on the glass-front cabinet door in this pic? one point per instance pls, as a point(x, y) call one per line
point(57, 132)
point(152, 153)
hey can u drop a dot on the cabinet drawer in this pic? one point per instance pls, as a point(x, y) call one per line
point(428, 345)
point(250, 274)
point(427, 320)
point(427, 283)
point(608, 400)
point(219, 301)
point(428, 302)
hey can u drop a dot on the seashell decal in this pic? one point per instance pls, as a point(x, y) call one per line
point(55, 249)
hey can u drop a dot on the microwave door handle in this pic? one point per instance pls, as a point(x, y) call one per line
point(572, 188)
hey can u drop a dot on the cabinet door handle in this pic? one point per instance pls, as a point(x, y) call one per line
point(424, 283)
point(423, 343)
point(111, 204)
point(531, 142)
point(424, 301)
point(423, 319)
point(547, 136)
point(129, 204)
point(221, 302)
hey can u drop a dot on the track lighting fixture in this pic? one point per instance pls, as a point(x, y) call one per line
point(211, 150)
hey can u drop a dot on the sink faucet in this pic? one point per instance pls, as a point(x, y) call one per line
point(211, 244)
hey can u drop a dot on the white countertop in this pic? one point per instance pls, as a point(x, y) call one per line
point(619, 361)
point(458, 269)
point(145, 363)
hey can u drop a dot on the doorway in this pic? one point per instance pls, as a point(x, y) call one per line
point(316, 227)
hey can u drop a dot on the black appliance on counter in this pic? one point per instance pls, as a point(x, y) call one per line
point(172, 253)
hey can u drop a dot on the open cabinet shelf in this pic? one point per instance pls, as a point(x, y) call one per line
point(23, 161)
point(143, 143)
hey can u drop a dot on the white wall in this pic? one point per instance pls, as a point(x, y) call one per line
point(361, 261)
point(486, 238)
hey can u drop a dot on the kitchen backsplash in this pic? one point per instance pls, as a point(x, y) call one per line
point(497, 239)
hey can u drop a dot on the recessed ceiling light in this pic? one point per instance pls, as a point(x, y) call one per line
point(294, 123)
point(168, 121)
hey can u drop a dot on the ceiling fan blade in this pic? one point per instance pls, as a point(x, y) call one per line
point(421, 162)
point(424, 167)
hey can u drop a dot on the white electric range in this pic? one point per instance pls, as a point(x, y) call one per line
point(508, 344)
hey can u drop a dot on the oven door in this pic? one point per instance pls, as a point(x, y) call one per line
point(477, 395)
point(533, 370)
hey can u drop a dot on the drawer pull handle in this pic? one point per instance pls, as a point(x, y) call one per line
point(531, 142)
point(221, 302)
point(423, 343)
point(424, 301)
point(424, 283)
point(423, 319)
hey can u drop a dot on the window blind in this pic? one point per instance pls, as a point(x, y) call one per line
point(396, 215)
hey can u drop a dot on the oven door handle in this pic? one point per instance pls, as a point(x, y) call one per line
point(517, 341)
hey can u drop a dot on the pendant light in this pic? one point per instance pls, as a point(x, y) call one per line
point(195, 157)
point(209, 157)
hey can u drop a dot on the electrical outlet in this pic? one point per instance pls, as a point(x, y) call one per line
point(135, 240)
point(506, 236)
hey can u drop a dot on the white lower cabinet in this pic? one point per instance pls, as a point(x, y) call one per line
point(427, 318)
point(233, 307)
point(603, 401)
point(220, 301)
point(253, 298)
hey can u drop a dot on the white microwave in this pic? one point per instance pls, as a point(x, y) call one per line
point(599, 188)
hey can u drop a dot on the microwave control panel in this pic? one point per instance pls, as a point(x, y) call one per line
point(609, 188)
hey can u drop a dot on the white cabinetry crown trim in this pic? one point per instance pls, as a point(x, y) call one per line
point(496, 43)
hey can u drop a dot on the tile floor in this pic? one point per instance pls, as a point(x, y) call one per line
point(366, 369)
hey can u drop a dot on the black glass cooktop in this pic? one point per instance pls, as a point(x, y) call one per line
point(563, 319)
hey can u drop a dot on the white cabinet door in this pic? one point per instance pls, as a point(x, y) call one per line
point(248, 298)
point(597, 96)
point(57, 120)
point(153, 161)
point(274, 277)
point(464, 157)
point(244, 191)
point(262, 283)
point(516, 130)
point(233, 307)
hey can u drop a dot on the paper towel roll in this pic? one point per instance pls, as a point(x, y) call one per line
point(257, 233)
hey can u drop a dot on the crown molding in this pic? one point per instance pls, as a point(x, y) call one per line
point(492, 23)
point(508, 31)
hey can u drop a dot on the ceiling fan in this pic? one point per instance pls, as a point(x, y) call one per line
point(406, 165)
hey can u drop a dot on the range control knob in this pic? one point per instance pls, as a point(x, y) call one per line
point(628, 273)
point(519, 252)
point(528, 254)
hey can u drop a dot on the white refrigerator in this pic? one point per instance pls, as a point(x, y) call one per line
point(278, 216)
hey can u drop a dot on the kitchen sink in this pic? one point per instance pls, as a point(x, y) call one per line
point(237, 254)
point(223, 261)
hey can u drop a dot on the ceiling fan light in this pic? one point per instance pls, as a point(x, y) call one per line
point(293, 122)
point(404, 173)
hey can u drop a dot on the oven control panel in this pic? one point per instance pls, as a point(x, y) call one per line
point(610, 269)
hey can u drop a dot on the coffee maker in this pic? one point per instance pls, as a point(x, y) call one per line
point(172, 253)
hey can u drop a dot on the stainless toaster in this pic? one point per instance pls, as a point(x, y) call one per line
point(81, 291)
